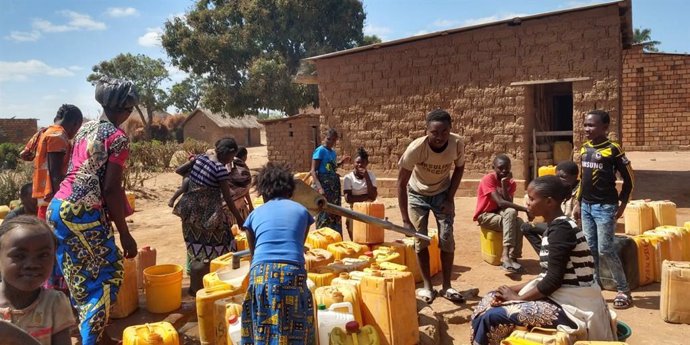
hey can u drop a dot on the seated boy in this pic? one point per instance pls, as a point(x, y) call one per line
point(567, 171)
point(29, 205)
point(496, 211)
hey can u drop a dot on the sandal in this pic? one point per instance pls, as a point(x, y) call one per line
point(506, 266)
point(452, 295)
point(622, 301)
point(426, 295)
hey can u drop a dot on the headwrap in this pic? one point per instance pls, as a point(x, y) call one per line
point(116, 93)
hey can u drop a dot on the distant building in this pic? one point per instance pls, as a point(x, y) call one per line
point(293, 139)
point(205, 125)
point(17, 131)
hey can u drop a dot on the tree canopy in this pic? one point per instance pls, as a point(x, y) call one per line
point(250, 50)
point(644, 37)
point(146, 73)
point(186, 95)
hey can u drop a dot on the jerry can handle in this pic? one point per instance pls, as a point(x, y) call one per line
point(339, 305)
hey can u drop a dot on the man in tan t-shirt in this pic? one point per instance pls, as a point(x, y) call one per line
point(424, 181)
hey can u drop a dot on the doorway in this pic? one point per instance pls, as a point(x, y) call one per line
point(552, 125)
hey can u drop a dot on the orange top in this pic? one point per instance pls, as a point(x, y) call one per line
point(54, 139)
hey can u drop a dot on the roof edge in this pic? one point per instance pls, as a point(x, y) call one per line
point(456, 30)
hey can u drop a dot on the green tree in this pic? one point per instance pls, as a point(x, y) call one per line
point(644, 37)
point(186, 95)
point(250, 50)
point(146, 73)
point(371, 39)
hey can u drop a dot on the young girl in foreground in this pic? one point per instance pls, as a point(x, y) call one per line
point(27, 255)
point(564, 295)
point(278, 306)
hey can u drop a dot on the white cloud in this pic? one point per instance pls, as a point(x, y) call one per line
point(75, 68)
point(489, 19)
point(176, 75)
point(446, 23)
point(582, 3)
point(21, 36)
point(380, 31)
point(119, 12)
point(421, 32)
point(152, 37)
point(76, 21)
point(22, 70)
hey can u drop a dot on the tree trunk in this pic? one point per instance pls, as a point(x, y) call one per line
point(147, 125)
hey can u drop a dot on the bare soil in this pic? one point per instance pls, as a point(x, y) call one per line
point(659, 176)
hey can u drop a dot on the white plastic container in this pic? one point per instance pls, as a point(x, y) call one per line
point(311, 285)
point(331, 318)
point(234, 330)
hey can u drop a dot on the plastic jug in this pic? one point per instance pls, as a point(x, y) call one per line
point(131, 199)
point(128, 296)
point(159, 333)
point(321, 238)
point(317, 257)
point(321, 276)
point(328, 295)
point(163, 286)
point(626, 249)
point(397, 246)
point(145, 259)
point(546, 170)
point(329, 319)
point(258, 201)
point(638, 218)
point(388, 254)
point(349, 265)
point(346, 249)
point(411, 258)
point(229, 278)
point(199, 268)
point(225, 308)
point(4, 210)
point(664, 213)
point(390, 266)
point(491, 246)
point(241, 241)
point(675, 292)
point(354, 335)
point(344, 279)
point(386, 305)
point(234, 336)
point(434, 253)
point(646, 260)
point(367, 233)
point(675, 239)
point(662, 251)
point(682, 236)
point(205, 305)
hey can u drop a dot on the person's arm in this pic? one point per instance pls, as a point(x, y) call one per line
point(185, 168)
point(372, 191)
point(227, 196)
point(61, 338)
point(314, 168)
point(115, 200)
point(13, 335)
point(55, 170)
point(344, 160)
point(625, 169)
point(403, 178)
point(248, 200)
point(502, 203)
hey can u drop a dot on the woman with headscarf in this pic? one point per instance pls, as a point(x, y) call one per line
point(90, 197)
point(205, 221)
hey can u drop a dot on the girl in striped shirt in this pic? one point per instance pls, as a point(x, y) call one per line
point(564, 295)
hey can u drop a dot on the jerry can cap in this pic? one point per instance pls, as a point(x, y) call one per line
point(322, 306)
point(344, 275)
point(232, 319)
point(352, 327)
point(369, 253)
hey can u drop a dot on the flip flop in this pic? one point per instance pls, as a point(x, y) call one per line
point(452, 295)
point(622, 301)
point(426, 295)
point(509, 268)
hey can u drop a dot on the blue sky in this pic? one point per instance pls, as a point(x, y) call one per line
point(47, 48)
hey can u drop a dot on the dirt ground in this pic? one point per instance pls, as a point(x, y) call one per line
point(659, 176)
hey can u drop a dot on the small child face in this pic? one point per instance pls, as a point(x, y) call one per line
point(360, 164)
point(27, 255)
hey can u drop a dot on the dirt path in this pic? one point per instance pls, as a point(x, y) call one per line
point(660, 176)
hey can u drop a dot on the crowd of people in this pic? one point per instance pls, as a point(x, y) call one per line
point(58, 253)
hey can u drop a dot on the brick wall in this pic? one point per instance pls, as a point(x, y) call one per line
point(202, 128)
point(379, 98)
point(17, 131)
point(656, 100)
point(292, 140)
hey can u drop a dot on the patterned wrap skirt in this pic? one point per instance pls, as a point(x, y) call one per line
point(205, 222)
point(330, 182)
point(278, 307)
point(490, 324)
point(90, 262)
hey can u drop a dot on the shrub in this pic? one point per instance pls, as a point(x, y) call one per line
point(9, 155)
point(12, 180)
point(195, 146)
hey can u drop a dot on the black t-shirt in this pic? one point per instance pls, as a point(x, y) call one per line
point(598, 172)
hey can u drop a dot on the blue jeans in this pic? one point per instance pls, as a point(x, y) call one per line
point(599, 226)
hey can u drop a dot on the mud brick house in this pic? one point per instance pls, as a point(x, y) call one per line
point(656, 100)
point(500, 81)
point(293, 139)
point(205, 125)
point(17, 131)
